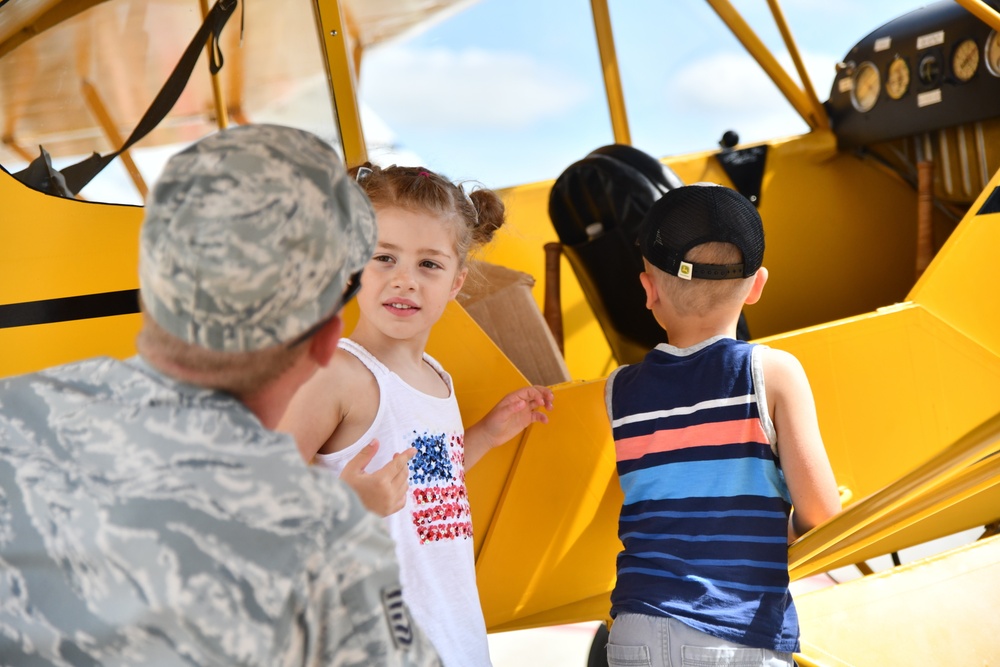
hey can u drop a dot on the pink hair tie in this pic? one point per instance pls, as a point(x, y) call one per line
point(424, 174)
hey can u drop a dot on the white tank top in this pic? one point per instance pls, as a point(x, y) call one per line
point(433, 532)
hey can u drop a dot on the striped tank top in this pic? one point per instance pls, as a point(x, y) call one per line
point(704, 522)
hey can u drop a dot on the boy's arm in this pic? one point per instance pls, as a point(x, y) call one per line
point(515, 412)
point(800, 446)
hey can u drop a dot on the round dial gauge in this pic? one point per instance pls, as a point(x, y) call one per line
point(897, 82)
point(929, 69)
point(965, 60)
point(993, 53)
point(867, 85)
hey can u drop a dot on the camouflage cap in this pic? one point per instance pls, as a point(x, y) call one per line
point(249, 238)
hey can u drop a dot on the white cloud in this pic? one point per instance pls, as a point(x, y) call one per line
point(444, 88)
point(735, 82)
point(733, 88)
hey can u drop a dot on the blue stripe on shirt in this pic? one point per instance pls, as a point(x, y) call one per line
point(757, 514)
point(721, 562)
point(758, 539)
point(701, 478)
point(714, 582)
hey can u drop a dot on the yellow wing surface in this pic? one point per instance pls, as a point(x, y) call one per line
point(906, 374)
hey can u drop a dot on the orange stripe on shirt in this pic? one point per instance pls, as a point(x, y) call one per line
point(699, 435)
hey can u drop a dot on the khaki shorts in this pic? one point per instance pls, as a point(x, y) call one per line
point(638, 640)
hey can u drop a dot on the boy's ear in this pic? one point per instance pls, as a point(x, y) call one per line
point(459, 281)
point(649, 286)
point(759, 279)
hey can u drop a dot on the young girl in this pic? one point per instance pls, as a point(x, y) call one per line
point(389, 407)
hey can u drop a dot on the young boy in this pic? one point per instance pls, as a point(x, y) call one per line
point(716, 439)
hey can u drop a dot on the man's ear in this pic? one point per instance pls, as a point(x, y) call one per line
point(759, 279)
point(459, 281)
point(324, 343)
point(649, 286)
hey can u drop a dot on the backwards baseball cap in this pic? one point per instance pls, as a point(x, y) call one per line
point(250, 237)
point(702, 213)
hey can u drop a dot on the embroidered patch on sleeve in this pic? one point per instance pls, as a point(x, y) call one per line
point(400, 624)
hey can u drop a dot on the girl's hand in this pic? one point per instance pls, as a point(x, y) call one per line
point(382, 491)
point(515, 412)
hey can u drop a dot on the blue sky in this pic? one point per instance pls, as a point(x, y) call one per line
point(506, 92)
point(510, 91)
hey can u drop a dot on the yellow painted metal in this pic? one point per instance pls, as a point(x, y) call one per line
point(559, 518)
point(218, 97)
point(959, 472)
point(341, 72)
point(27, 349)
point(953, 285)
point(895, 384)
point(520, 245)
point(22, 21)
point(50, 248)
point(893, 389)
point(795, 95)
point(819, 206)
point(968, 502)
point(938, 611)
point(983, 12)
point(609, 66)
point(818, 110)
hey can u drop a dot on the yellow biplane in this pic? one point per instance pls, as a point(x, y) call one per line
point(883, 226)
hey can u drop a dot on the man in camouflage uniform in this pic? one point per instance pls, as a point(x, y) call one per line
point(148, 514)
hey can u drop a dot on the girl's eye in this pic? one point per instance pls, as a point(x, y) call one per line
point(428, 264)
point(381, 258)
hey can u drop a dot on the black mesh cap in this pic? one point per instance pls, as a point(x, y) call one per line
point(702, 213)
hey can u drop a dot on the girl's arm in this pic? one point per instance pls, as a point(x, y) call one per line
point(515, 412)
point(322, 406)
point(315, 411)
point(800, 446)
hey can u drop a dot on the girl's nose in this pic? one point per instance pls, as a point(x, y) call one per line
point(402, 278)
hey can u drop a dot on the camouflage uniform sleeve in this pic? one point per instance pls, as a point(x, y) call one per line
point(353, 597)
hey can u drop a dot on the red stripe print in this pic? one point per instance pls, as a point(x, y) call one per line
point(699, 435)
point(440, 513)
point(451, 531)
point(439, 494)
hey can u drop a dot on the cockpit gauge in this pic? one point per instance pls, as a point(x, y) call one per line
point(929, 69)
point(993, 53)
point(965, 59)
point(897, 81)
point(867, 85)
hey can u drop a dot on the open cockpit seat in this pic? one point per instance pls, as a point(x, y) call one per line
point(596, 206)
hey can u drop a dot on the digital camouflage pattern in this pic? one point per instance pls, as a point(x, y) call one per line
point(145, 521)
point(250, 236)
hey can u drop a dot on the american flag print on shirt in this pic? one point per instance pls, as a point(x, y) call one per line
point(437, 485)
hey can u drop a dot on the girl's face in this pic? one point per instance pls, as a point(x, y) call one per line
point(413, 274)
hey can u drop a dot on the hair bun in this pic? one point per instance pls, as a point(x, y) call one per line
point(491, 214)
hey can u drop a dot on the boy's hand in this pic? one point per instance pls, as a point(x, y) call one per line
point(515, 412)
point(382, 491)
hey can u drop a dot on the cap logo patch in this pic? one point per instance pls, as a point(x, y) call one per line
point(685, 270)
